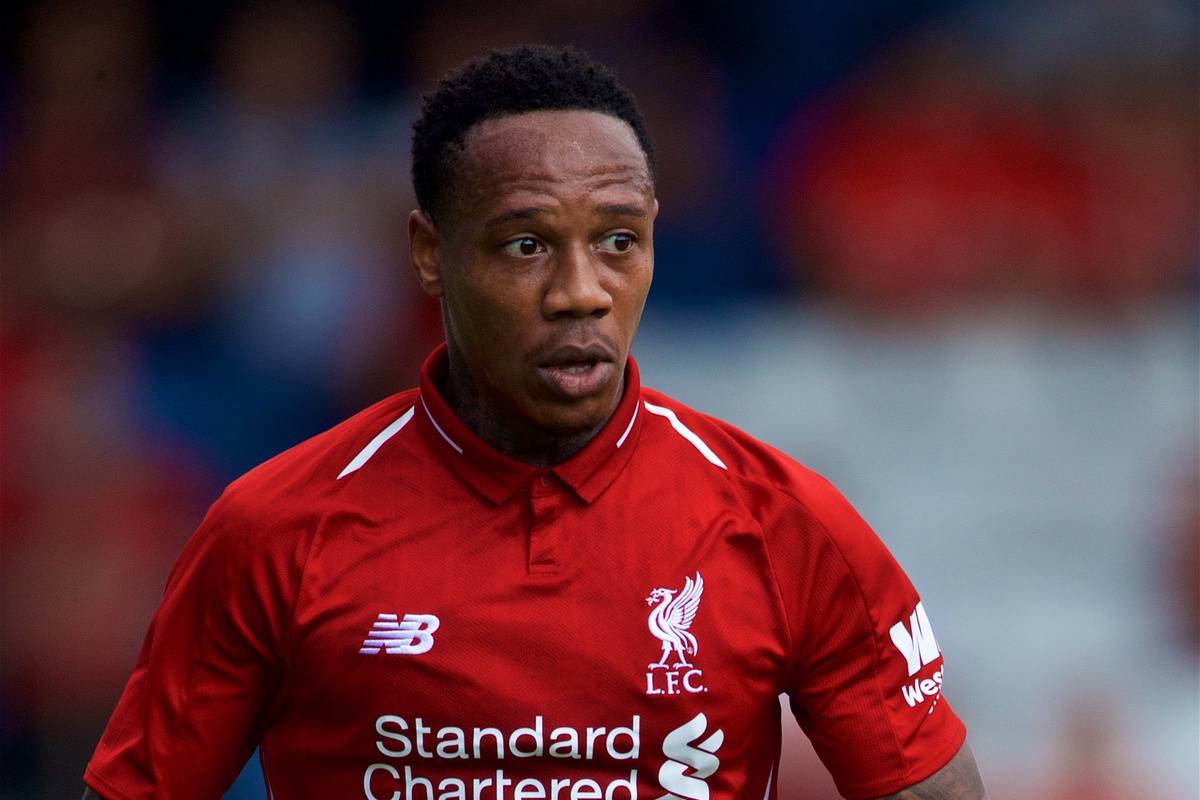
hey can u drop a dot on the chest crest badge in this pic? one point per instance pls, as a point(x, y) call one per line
point(671, 615)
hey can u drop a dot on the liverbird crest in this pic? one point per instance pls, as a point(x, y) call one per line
point(671, 617)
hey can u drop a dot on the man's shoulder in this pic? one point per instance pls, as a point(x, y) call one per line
point(749, 462)
point(266, 520)
point(301, 478)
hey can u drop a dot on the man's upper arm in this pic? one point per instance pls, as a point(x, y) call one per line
point(866, 674)
point(958, 780)
point(209, 668)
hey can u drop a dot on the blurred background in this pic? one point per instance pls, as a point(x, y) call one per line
point(943, 251)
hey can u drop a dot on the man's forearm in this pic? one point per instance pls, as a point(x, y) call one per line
point(88, 794)
point(958, 780)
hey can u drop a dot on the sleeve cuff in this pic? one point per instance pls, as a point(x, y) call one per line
point(102, 787)
point(916, 772)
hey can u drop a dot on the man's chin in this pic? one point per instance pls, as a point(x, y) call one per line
point(576, 417)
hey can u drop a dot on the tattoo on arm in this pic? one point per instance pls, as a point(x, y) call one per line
point(958, 780)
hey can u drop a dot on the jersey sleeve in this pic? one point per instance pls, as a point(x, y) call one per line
point(209, 668)
point(866, 673)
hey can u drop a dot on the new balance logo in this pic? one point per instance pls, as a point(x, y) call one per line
point(916, 642)
point(408, 637)
point(688, 766)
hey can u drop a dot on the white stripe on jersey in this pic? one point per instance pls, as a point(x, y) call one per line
point(628, 427)
point(449, 441)
point(365, 454)
point(685, 432)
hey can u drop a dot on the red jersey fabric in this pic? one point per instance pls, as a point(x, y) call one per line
point(394, 610)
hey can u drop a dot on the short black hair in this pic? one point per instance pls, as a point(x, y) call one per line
point(501, 83)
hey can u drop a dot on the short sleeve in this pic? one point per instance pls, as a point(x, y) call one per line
point(209, 668)
point(866, 674)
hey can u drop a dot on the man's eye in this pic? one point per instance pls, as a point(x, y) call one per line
point(525, 246)
point(617, 242)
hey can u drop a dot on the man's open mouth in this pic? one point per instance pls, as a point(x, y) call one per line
point(574, 372)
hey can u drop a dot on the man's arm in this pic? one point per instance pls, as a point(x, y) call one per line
point(214, 658)
point(88, 794)
point(958, 780)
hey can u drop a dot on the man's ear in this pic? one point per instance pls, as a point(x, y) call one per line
point(425, 247)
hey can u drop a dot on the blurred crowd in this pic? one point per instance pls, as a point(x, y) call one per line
point(203, 253)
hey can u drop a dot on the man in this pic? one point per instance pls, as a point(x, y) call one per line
point(531, 577)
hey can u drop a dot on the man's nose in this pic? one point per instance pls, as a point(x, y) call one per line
point(576, 289)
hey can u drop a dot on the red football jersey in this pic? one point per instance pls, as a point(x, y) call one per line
point(393, 610)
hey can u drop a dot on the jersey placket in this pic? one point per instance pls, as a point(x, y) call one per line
point(546, 497)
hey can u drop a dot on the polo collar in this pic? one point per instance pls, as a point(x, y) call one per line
point(497, 476)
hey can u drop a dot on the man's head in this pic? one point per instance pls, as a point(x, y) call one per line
point(535, 182)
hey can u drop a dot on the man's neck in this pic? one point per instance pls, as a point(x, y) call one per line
point(498, 427)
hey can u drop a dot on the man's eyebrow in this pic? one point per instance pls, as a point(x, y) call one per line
point(533, 212)
point(620, 210)
point(530, 212)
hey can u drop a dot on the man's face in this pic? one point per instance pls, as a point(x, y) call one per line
point(544, 262)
